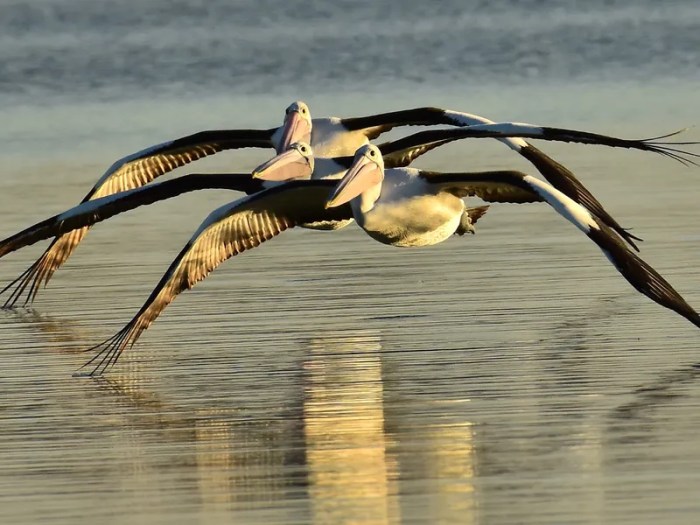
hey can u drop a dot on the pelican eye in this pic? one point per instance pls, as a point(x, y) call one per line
point(303, 149)
point(371, 153)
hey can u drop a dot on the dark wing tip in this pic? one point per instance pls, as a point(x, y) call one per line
point(565, 181)
point(641, 275)
point(628, 237)
point(671, 148)
point(108, 353)
point(695, 319)
point(30, 276)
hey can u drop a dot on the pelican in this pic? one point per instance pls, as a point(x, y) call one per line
point(400, 206)
point(407, 207)
point(299, 162)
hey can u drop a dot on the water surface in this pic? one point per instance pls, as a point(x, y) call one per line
point(512, 376)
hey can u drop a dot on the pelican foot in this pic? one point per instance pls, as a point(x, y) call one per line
point(469, 218)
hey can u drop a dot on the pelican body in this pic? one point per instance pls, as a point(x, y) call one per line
point(408, 212)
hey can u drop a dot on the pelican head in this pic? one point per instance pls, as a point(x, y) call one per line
point(297, 125)
point(297, 162)
point(366, 172)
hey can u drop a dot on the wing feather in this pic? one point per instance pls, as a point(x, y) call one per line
point(510, 186)
point(228, 231)
point(91, 212)
point(490, 186)
point(128, 173)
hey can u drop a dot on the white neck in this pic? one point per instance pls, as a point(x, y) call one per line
point(368, 198)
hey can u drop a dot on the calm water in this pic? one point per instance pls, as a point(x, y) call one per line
point(512, 376)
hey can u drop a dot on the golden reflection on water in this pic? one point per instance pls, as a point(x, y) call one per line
point(352, 474)
point(333, 458)
point(215, 462)
point(451, 460)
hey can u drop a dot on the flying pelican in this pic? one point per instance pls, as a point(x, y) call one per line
point(401, 207)
point(300, 162)
point(408, 207)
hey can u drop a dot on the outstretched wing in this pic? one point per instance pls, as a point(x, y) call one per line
point(641, 275)
point(490, 186)
point(513, 186)
point(228, 231)
point(375, 125)
point(130, 172)
point(501, 130)
point(91, 212)
point(142, 167)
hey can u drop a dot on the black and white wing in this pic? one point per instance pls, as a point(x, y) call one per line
point(133, 171)
point(513, 186)
point(91, 212)
point(228, 231)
